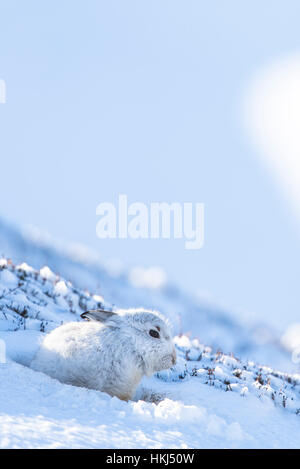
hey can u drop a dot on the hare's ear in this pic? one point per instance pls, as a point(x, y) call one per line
point(98, 315)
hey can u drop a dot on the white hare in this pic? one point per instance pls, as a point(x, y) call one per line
point(110, 353)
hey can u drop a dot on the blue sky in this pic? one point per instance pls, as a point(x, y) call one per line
point(145, 99)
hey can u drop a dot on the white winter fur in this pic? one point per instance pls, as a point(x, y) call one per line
point(111, 353)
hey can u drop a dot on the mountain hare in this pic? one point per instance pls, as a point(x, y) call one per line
point(109, 352)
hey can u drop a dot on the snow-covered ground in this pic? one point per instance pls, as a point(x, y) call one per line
point(210, 399)
point(37, 411)
point(232, 332)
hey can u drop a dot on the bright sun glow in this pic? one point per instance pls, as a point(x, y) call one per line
point(273, 121)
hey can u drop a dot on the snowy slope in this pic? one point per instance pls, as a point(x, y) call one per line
point(38, 412)
point(209, 323)
point(207, 400)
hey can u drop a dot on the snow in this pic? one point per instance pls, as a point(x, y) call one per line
point(209, 322)
point(47, 273)
point(25, 267)
point(61, 288)
point(39, 412)
point(225, 391)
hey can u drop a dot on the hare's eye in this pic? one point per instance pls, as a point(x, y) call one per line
point(154, 333)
